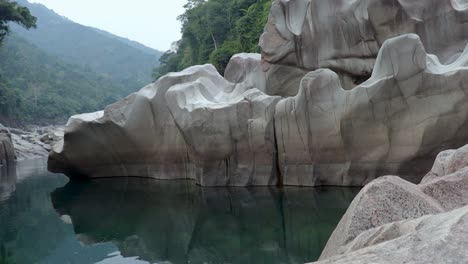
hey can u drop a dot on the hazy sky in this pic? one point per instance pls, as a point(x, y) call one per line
point(150, 22)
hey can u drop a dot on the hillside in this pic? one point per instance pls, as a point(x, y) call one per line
point(119, 59)
point(213, 31)
point(36, 87)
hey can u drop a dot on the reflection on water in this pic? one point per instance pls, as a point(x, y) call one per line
point(147, 221)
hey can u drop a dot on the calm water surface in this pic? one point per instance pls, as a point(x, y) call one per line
point(44, 218)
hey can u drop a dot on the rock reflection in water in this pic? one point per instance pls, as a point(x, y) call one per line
point(7, 180)
point(179, 222)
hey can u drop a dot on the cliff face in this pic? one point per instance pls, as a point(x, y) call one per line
point(346, 91)
point(347, 35)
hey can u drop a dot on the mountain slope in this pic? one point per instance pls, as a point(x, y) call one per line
point(36, 87)
point(121, 60)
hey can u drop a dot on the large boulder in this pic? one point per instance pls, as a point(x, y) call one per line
point(447, 182)
point(385, 200)
point(193, 124)
point(376, 227)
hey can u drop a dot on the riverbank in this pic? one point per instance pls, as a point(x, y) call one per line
point(34, 142)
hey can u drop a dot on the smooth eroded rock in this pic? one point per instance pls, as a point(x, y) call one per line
point(394, 123)
point(193, 124)
point(346, 36)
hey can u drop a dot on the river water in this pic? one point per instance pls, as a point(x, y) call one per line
point(44, 218)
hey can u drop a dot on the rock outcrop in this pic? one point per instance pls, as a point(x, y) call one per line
point(394, 123)
point(197, 125)
point(35, 142)
point(381, 90)
point(193, 124)
point(7, 151)
point(346, 36)
point(395, 221)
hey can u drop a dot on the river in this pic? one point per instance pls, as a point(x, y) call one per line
point(45, 218)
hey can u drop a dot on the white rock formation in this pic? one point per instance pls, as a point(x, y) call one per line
point(305, 112)
point(193, 124)
point(229, 130)
point(377, 227)
point(394, 123)
point(346, 35)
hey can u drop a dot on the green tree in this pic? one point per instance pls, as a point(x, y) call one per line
point(213, 31)
point(12, 12)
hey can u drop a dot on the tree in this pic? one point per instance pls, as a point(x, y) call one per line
point(12, 12)
point(213, 31)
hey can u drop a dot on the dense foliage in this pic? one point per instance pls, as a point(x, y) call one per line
point(36, 87)
point(213, 31)
point(63, 68)
point(119, 59)
point(12, 12)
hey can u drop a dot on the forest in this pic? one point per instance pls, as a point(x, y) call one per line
point(213, 31)
point(52, 68)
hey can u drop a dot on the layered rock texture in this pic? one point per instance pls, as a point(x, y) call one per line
point(380, 90)
point(395, 221)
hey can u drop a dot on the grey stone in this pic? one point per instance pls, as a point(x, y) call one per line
point(7, 150)
point(441, 238)
point(372, 219)
point(246, 67)
point(295, 34)
point(395, 123)
point(385, 200)
point(193, 124)
point(381, 106)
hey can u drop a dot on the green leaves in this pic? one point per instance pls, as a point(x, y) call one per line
point(12, 12)
point(214, 30)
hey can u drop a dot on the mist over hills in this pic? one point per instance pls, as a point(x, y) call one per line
point(115, 57)
point(64, 68)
